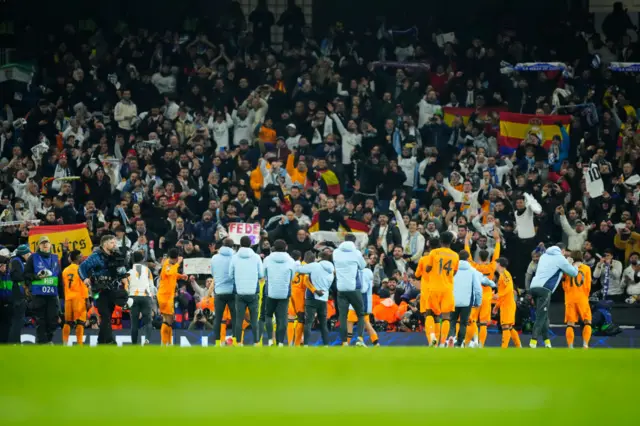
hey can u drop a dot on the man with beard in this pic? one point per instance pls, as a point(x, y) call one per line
point(125, 112)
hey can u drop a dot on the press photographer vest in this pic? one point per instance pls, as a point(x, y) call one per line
point(6, 283)
point(45, 286)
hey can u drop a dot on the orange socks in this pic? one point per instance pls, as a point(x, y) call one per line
point(438, 326)
point(444, 331)
point(516, 338)
point(570, 336)
point(223, 332)
point(291, 330)
point(506, 336)
point(429, 328)
point(483, 335)
point(299, 334)
point(166, 333)
point(66, 331)
point(586, 335)
point(457, 328)
point(80, 334)
point(472, 330)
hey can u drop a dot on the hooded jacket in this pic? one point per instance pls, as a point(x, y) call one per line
point(550, 268)
point(279, 269)
point(348, 261)
point(245, 271)
point(222, 282)
point(467, 285)
point(321, 274)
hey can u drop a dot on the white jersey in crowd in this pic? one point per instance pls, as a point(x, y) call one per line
point(220, 131)
point(141, 281)
point(242, 128)
point(593, 179)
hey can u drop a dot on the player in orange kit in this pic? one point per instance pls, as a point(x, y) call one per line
point(576, 300)
point(506, 302)
point(425, 289)
point(169, 277)
point(76, 295)
point(295, 327)
point(482, 315)
point(441, 265)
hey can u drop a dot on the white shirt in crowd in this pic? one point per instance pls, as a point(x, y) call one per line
point(141, 281)
point(220, 131)
point(242, 128)
point(525, 227)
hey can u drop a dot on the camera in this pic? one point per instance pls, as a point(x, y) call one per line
point(93, 320)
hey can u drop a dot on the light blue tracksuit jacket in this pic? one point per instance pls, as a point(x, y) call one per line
point(279, 269)
point(321, 275)
point(348, 261)
point(550, 268)
point(245, 270)
point(366, 275)
point(467, 286)
point(222, 282)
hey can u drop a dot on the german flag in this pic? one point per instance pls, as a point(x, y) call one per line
point(331, 180)
point(355, 225)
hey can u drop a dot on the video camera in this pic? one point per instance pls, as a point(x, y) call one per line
point(117, 271)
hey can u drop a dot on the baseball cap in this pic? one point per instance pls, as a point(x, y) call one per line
point(291, 125)
point(43, 239)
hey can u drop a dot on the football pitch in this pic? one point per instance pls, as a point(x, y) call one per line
point(323, 386)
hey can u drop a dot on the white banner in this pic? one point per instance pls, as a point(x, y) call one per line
point(239, 230)
point(197, 265)
point(362, 238)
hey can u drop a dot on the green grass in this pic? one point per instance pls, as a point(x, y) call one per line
point(323, 386)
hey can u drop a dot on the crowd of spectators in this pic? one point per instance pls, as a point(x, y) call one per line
point(169, 137)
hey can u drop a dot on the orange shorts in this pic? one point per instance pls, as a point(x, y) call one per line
point(484, 311)
point(574, 311)
point(508, 313)
point(75, 310)
point(166, 306)
point(296, 305)
point(424, 300)
point(352, 317)
point(441, 302)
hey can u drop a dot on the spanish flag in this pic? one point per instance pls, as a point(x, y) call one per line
point(450, 113)
point(331, 180)
point(76, 235)
point(515, 127)
point(355, 225)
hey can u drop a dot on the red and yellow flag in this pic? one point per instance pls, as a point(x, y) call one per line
point(516, 127)
point(355, 225)
point(450, 113)
point(76, 235)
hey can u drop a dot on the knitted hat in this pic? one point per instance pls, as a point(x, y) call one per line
point(22, 250)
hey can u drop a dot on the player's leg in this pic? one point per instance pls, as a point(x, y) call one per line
point(463, 318)
point(219, 303)
point(447, 306)
point(281, 320)
point(352, 319)
point(424, 301)
point(268, 319)
point(507, 320)
point(322, 320)
point(358, 305)
point(430, 327)
point(506, 335)
point(570, 318)
point(372, 333)
point(299, 329)
point(484, 317)
point(291, 322)
point(80, 317)
point(68, 322)
point(343, 311)
point(252, 304)
point(472, 326)
point(240, 308)
point(585, 314)
point(309, 315)
point(230, 306)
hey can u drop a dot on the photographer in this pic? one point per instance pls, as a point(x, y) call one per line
point(102, 272)
point(203, 320)
point(42, 274)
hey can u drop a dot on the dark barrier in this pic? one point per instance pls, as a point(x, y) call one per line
point(628, 339)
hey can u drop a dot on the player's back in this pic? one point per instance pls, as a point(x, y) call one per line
point(577, 288)
point(505, 288)
point(74, 288)
point(168, 279)
point(444, 265)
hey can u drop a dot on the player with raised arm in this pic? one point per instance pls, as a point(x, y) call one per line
point(169, 277)
point(482, 315)
point(576, 300)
